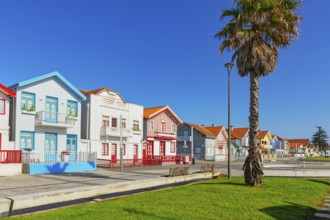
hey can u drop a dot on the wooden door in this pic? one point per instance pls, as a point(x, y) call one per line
point(162, 148)
point(114, 153)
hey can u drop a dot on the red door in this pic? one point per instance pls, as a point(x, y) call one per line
point(162, 148)
point(0, 140)
point(114, 153)
point(150, 149)
point(135, 153)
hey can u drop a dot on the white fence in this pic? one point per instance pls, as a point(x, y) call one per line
point(57, 157)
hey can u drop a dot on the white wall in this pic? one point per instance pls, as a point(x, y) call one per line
point(112, 105)
point(25, 121)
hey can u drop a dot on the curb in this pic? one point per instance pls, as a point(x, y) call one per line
point(14, 203)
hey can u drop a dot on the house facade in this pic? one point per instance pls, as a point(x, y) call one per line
point(108, 123)
point(298, 147)
point(220, 143)
point(202, 140)
point(46, 123)
point(280, 145)
point(160, 133)
point(10, 159)
point(265, 139)
point(240, 140)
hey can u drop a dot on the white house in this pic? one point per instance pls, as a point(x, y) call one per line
point(108, 122)
point(46, 121)
point(10, 159)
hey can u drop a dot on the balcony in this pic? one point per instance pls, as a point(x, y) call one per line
point(183, 138)
point(160, 133)
point(115, 132)
point(54, 119)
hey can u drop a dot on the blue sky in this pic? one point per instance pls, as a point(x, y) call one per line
point(162, 52)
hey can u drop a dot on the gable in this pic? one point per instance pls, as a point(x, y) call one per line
point(55, 76)
point(153, 112)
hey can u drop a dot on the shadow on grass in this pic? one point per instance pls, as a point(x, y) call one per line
point(146, 214)
point(322, 181)
point(290, 211)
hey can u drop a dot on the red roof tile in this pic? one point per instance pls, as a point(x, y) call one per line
point(7, 91)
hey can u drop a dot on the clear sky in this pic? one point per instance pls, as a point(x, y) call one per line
point(163, 52)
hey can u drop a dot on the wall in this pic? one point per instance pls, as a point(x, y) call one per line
point(10, 169)
point(25, 121)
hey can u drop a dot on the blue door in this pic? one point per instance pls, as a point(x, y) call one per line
point(71, 146)
point(50, 147)
point(51, 110)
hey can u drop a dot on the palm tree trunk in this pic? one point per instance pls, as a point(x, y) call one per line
point(253, 164)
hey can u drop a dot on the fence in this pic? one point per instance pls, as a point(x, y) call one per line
point(56, 157)
point(160, 160)
point(113, 164)
point(10, 156)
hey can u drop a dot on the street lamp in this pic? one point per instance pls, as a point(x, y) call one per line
point(229, 66)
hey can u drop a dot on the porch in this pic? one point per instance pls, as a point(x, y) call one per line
point(10, 162)
point(58, 162)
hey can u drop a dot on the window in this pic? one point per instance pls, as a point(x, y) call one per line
point(163, 125)
point(28, 102)
point(185, 133)
point(72, 108)
point(151, 124)
point(123, 122)
point(114, 122)
point(105, 149)
point(2, 106)
point(105, 121)
point(173, 128)
point(27, 140)
point(263, 142)
point(136, 125)
point(172, 147)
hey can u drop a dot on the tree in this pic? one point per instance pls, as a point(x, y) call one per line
point(255, 31)
point(320, 138)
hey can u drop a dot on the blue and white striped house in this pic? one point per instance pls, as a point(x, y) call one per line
point(45, 123)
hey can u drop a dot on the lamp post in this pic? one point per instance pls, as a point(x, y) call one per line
point(229, 66)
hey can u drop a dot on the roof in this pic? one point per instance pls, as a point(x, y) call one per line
point(263, 134)
point(98, 91)
point(95, 91)
point(214, 129)
point(148, 112)
point(298, 142)
point(238, 133)
point(154, 111)
point(201, 129)
point(56, 75)
point(7, 91)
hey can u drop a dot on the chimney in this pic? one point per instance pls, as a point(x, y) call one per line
point(231, 127)
point(213, 125)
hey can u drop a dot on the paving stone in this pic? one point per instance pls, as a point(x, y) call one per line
point(326, 204)
point(327, 209)
point(321, 215)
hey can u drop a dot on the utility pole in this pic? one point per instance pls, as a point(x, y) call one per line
point(121, 143)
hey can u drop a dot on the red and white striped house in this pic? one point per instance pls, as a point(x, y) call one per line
point(160, 134)
point(10, 159)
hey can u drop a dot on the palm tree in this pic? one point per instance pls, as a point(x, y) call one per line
point(254, 32)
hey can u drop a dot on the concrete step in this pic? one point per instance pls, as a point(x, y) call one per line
point(322, 215)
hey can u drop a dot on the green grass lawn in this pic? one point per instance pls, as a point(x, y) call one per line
point(278, 198)
point(321, 158)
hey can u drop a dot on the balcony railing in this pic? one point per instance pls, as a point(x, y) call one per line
point(164, 133)
point(54, 119)
point(10, 156)
point(57, 157)
point(115, 132)
point(183, 138)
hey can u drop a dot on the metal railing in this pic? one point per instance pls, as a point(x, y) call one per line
point(10, 156)
point(54, 118)
point(57, 157)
